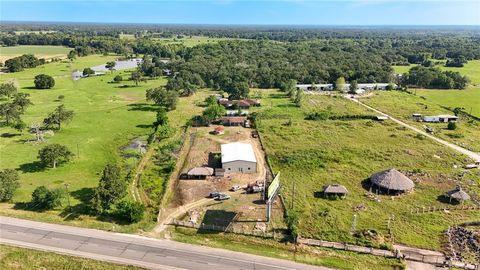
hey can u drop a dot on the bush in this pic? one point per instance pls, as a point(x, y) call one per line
point(130, 211)
point(118, 79)
point(45, 199)
point(8, 184)
point(452, 126)
point(43, 81)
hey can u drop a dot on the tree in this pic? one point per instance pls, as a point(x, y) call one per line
point(7, 89)
point(44, 81)
point(452, 126)
point(161, 118)
point(118, 79)
point(72, 55)
point(110, 65)
point(339, 84)
point(210, 100)
point(213, 112)
point(136, 76)
point(189, 89)
point(353, 87)
point(88, 71)
point(8, 184)
point(22, 100)
point(45, 199)
point(298, 98)
point(130, 211)
point(111, 188)
point(54, 154)
point(10, 112)
point(163, 97)
point(20, 125)
point(59, 116)
point(238, 90)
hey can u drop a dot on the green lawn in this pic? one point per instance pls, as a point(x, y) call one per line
point(37, 50)
point(311, 154)
point(29, 259)
point(468, 99)
point(107, 117)
point(402, 105)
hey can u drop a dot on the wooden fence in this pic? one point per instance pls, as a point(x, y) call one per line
point(461, 207)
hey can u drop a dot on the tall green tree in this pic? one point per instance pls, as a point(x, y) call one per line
point(339, 84)
point(59, 116)
point(163, 97)
point(353, 87)
point(10, 112)
point(72, 55)
point(54, 154)
point(298, 98)
point(238, 90)
point(8, 184)
point(130, 211)
point(213, 112)
point(136, 76)
point(111, 188)
point(88, 71)
point(110, 65)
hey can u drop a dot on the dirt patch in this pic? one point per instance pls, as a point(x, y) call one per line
point(126, 96)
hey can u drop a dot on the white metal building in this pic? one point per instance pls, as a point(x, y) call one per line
point(238, 157)
point(440, 118)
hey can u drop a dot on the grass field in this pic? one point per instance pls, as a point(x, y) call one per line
point(192, 41)
point(15, 258)
point(39, 51)
point(107, 117)
point(402, 105)
point(311, 154)
point(471, 69)
point(468, 99)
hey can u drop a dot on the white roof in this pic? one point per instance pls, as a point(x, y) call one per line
point(237, 151)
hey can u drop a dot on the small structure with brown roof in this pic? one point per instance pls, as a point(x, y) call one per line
point(393, 181)
point(199, 172)
point(458, 194)
point(335, 190)
point(234, 120)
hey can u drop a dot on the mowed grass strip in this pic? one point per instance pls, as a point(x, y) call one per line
point(311, 154)
point(15, 258)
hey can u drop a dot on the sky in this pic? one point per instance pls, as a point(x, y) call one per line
point(260, 12)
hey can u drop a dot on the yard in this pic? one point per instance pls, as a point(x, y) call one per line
point(311, 154)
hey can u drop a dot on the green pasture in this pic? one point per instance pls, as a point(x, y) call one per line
point(311, 154)
point(402, 105)
point(37, 50)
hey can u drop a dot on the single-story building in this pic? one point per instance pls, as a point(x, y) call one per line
point(440, 118)
point(417, 117)
point(238, 157)
point(234, 121)
point(346, 87)
point(335, 190)
point(242, 103)
point(199, 172)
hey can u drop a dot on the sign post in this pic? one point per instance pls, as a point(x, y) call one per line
point(272, 192)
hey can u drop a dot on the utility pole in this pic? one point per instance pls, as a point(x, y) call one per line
point(354, 223)
point(293, 196)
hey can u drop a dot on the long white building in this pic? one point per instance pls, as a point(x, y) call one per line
point(346, 87)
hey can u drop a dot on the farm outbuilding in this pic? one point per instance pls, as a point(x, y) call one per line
point(199, 172)
point(392, 180)
point(238, 157)
point(440, 118)
point(234, 121)
point(458, 195)
point(335, 190)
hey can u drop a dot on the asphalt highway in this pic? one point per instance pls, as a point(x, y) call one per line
point(132, 249)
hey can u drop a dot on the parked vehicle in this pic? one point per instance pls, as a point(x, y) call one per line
point(235, 188)
point(222, 197)
point(214, 194)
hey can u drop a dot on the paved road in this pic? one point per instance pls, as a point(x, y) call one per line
point(455, 147)
point(132, 249)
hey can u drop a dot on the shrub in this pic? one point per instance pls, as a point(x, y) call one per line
point(45, 199)
point(8, 184)
point(452, 126)
point(44, 81)
point(118, 78)
point(130, 211)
